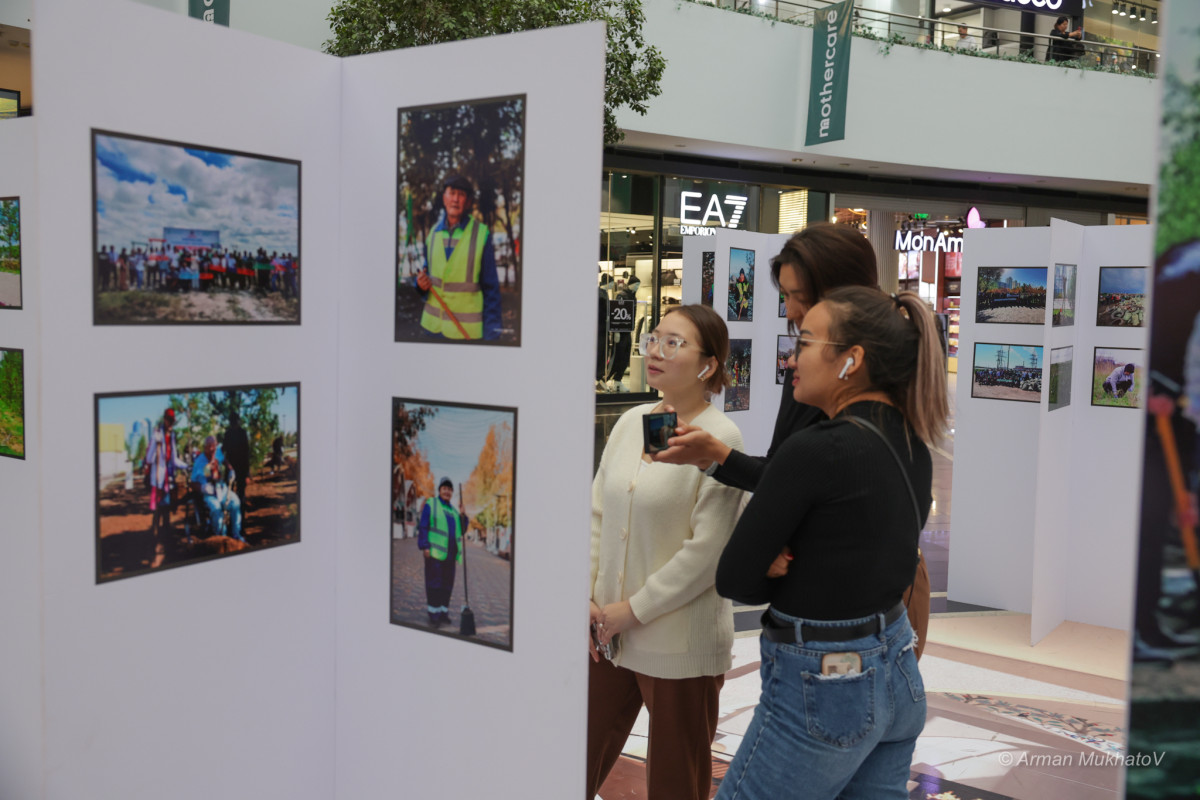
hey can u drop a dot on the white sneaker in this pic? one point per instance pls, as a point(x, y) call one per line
point(622, 387)
point(611, 386)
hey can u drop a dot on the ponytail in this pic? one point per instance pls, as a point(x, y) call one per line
point(902, 350)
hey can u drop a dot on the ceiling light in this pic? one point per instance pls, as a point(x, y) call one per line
point(1123, 13)
point(1154, 19)
point(946, 10)
point(1143, 16)
point(1115, 9)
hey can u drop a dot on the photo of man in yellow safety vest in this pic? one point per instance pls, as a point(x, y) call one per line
point(440, 539)
point(459, 283)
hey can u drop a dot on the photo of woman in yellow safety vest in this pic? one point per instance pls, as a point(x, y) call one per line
point(440, 539)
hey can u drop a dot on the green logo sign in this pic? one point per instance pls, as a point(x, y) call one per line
point(830, 74)
point(210, 11)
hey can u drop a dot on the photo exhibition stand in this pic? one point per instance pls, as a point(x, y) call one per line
point(758, 422)
point(1046, 499)
point(277, 673)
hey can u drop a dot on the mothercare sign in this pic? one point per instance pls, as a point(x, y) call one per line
point(210, 11)
point(830, 73)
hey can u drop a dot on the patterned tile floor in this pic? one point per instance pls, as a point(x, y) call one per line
point(1005, 721)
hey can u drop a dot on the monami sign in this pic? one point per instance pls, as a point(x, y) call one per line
point(908, 241)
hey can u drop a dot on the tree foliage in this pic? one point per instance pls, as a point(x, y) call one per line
point(208, 413)
point(407, 423)
point(488, 494)
point(12, 381)
point(633, 69)
point(10, 233)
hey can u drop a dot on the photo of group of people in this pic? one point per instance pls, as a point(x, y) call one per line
point(1058, 388)
point(708, 270)
point(190, 234)
point(1062, 313)
point(1007, 372)
point(784, 345)
point(741, 285)
point(12, 403)
point(1122, 300)
point(459, 212)
point(1118, 377)
point(737, 395)
point(1011, 295)
point(188, 475)
point(10, 252)
point(452, 519)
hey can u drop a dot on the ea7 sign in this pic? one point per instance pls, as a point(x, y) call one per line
point(909, 241)
point(714, 209)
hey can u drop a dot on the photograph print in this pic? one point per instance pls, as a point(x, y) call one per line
point(10, 252)
point(708, 269)
point(784, 345)
point(193, 234)
point(1122, 299)
point(1118, 377)
point(452, 517)
point(1007, 372)
point(741, 285)
point(1058, 389)
point(737, 394)
point(1012, 295)
point(189, 475)
point(12, 403)
point(1062, 312)
point(459, 215)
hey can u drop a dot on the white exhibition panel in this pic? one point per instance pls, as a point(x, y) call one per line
point(421, 715)
point(757, 424)
point(215, 679)
point(20, 572)
point(1108, 445)
point(995, 444)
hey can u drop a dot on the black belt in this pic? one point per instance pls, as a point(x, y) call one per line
point(817, 633)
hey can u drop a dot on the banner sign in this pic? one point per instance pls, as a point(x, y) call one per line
point(620, 315)
point(210, 11)
point(1070, 8)
point(830, 74)
point(191, 239)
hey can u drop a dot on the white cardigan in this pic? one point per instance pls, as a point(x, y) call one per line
point(656, 539)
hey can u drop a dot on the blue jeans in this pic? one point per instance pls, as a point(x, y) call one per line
point(216, 519)
point(819, 738)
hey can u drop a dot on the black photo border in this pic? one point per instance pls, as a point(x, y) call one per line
point(20, 255)
point(975, 355)
point(512, 560)
point(729, 282)
point(1054, 296)
point(524, 97)
point(1046, 373)
point(214, 556)
point(778, 340)
point(209, 148)
point(1145, 367)
point(978, 321)
point(24, 407)
point(1145, 293)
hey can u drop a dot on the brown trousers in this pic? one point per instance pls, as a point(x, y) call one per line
point(683, 721)
point(917, 601)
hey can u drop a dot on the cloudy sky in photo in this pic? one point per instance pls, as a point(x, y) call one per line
point(143, 187)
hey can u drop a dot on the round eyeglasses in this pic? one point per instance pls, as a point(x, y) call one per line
point(803, 340)
point(668, 346)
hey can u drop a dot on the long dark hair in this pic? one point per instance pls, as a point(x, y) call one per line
point(826, 256)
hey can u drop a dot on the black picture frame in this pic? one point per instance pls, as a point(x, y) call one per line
point(5, 450)
point(1006, 382)
point(20, 279)
point(1017, 304)
point(1121, 309)
point(1105, 362)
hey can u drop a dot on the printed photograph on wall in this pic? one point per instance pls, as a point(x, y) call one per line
point(10, 253)
point(741, 285)
point(1121, 302)
point(452, 517)
point(1118, 377)
point(953, 265)
point(1007, 372)
point(12, 403)
point(782, 305)
point(192, 234)
point(708, 269)
point(784, 345)
point(1062, 312)
point(1058, 389)
point(1011, 295)
point(189, 475)
point(737, 395)
point(460, 199)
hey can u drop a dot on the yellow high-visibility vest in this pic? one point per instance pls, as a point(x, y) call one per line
point(456, 279)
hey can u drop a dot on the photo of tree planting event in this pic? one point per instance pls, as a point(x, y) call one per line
point(10, 252)
point(192, 235)
point(1007, 372)
point(1122, 299)
point(453, 482)
point(1012, 295)
point(12, 403)
point(459, 206)
point(1118, 377)
point(1063, 312)
point(190, 475)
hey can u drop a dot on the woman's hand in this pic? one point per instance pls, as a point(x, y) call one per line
point(692, 445)
point(616, 618)
point(779, 566)
point(595, 616)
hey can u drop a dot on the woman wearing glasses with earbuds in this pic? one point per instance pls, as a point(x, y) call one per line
point(657, 532)
point(842, 700)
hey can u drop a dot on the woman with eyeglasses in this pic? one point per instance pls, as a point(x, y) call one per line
point(657, 532)
point(813, 262)
point(842, 701)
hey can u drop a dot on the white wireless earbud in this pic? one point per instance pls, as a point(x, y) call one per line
point(703, 372)
point(846, 368)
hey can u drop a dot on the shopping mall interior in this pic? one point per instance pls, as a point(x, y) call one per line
point(964, 122)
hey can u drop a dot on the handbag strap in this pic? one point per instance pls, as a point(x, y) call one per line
point(863, 423)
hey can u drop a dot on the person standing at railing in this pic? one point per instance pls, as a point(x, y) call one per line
point(965, 40)
point(1061, 47)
